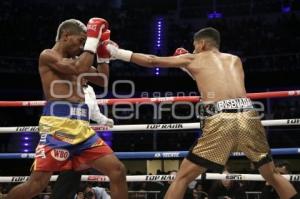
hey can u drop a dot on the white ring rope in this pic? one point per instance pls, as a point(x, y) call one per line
point(144, 127)
point(155, 178)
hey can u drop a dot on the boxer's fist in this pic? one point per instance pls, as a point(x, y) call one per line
point(105, 35)
point(95, 27)
point(103, 56)
point(117, 53)
point(180, 51)
point(110, 123)
point(106, 121)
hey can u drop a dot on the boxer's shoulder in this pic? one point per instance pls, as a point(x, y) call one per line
point(49, 56)
point(49, 53)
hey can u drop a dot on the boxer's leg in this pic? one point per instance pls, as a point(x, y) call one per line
point(35, 185)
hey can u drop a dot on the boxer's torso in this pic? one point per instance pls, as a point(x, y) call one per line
point(218, 75)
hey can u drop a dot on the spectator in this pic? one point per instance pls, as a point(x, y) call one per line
point(198, 192)
point(226, 189)
point(87, 191)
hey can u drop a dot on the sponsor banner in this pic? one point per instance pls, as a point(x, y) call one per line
point(97, 178)
point(293, 121)
point(234, 177)
point(294, 177)
point(27, 129)
point(103, 101)
point(164, 126)
point(293, 93)
point(162, 99)
point(168, 155)
point(33, 103)
point(19, 178)
point(27, 155)
point(159, 178)
point(150, 178)
point(100, 128)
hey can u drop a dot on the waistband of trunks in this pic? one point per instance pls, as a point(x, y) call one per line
point(65, 109)
point(226, 106)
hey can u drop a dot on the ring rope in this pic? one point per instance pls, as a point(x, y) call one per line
point(155, 154)
point(153, 127)
point(155, 178)
point(261, 95)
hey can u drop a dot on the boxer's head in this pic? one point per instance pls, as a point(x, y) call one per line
point(205, 39)
point(72, 34)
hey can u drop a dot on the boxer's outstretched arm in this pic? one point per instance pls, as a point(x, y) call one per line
point(147, 60)
point(154, 61)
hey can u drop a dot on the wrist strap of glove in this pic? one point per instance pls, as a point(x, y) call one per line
point(91, 44)
point(102, 60)
point(121, 54)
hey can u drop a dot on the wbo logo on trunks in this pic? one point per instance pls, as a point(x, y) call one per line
point(60, 154)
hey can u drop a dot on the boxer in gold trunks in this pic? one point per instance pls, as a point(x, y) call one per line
point(229, 120)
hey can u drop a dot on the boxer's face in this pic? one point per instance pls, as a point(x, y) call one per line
point(76, 43)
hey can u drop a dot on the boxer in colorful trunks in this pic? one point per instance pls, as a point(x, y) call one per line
point(68, 182)
point(67, 141)
point(230, 122)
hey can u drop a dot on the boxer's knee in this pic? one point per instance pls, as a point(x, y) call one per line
point(117, 171)
point(37, 182)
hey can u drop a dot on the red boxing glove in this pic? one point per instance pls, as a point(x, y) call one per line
point(95, 28)
point(103, 55)
point(105, 35)
point(180, 51)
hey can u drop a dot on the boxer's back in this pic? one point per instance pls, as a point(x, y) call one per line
point(218, 75)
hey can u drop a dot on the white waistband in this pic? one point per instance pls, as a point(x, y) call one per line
point(238, 103)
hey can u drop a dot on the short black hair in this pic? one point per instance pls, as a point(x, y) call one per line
point(210, 34)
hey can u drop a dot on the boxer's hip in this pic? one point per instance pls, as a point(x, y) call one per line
point(66, 121)
point(229, 126)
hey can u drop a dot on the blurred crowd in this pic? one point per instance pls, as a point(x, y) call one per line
point(197, 189)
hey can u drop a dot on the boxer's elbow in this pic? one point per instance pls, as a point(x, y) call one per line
point(81, 69)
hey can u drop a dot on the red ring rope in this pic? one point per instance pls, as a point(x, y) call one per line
point(261, 95)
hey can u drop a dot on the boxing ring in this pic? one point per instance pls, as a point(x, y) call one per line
point(155, 127)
